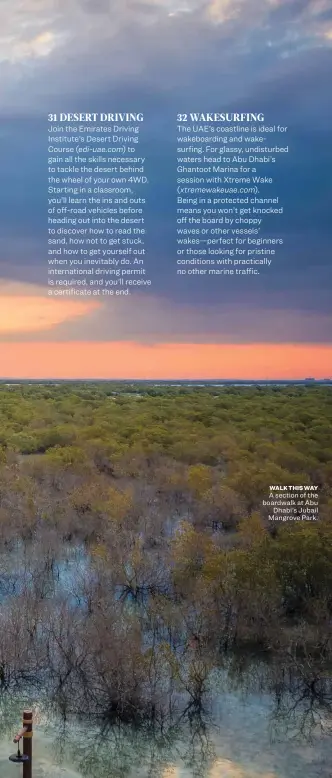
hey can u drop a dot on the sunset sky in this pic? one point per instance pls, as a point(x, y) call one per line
point(163, 57)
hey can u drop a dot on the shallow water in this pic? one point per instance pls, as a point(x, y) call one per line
point(243, 736)
point(17, 567)
point(240, 741)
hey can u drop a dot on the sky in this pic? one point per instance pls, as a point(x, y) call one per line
point(163, 57)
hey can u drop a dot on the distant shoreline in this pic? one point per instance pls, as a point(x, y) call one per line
point(172, 382)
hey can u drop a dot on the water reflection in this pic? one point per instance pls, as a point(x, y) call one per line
point(238, 737)
point(253, 719)
point(25, 567)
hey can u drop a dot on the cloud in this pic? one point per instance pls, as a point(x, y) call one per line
point(223, 10)
point(163, 56)
point(25, 309)
point(55, 48)
point(152, 320)
point(40, 45)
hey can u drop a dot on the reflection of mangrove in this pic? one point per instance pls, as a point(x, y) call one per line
point(301, 698)
point(178, 729)
point(69, 626)
point(302, 701)
point(91, 745)
point(180, 735)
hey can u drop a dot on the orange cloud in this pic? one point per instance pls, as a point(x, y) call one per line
point(29, 311)
point(116, 360)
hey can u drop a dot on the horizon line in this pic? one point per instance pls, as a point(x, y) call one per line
point(308, 379)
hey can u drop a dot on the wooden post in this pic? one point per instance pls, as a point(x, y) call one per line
point(27, 743)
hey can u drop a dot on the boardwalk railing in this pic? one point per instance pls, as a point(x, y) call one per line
point(24, 734)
